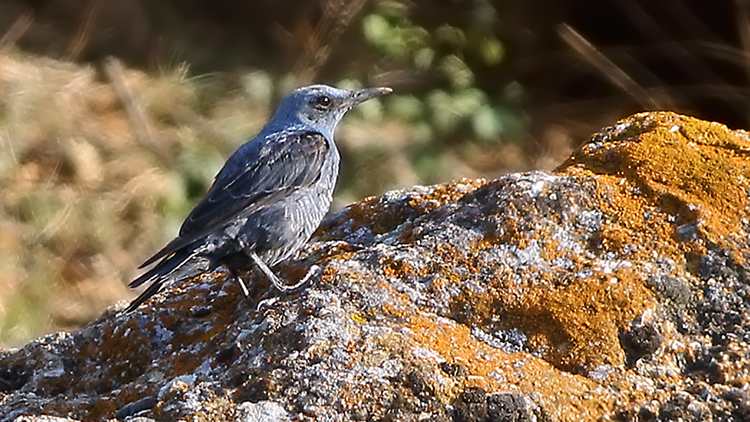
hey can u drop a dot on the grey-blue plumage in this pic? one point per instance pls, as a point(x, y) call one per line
point(270, 196)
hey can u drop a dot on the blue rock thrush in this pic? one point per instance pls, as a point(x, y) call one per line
point(268, 199)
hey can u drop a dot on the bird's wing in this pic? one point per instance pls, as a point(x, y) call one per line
point(293, 162)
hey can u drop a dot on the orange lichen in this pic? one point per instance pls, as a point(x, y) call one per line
point(393, 268)
point(329, 273)
point(655, 173)
point(577, 325)
point(574, 323)
point(659, 172)
point(564, 397)
point(692, 170)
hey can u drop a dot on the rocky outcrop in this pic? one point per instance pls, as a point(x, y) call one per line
point(615, 288)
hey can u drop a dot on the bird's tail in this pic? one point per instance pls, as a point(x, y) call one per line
point(181, 265)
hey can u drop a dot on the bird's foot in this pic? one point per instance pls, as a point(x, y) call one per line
point(276, 281)
point(265, 303)
point(285, 288)
point(311, 272)
point(241, 281)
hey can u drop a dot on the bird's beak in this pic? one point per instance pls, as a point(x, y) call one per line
point(365, 94)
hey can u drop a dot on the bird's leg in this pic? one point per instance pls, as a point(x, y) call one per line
point(275, 280)
point(240, 280)
point(271, 300)
point(313, 270)
point(243, 286)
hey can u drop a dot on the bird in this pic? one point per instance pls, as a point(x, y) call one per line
point(268, 199)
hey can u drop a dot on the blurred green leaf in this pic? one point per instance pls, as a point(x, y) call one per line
point(424, 58)
point(513, 92)
point(350, 84)
point(423, 133)
point(486, 123)
point(393, 8)
point(375, 28)
point(459, 74)
point(429, 164)
point(406, 107)
point(445, 115)
point(371, 110)
point(450, 35)
point(491, 50)
point(466, 102)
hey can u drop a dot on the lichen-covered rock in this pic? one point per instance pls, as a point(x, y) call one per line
point(615, 288)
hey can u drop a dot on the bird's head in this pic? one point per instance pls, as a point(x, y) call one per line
point(321, 107)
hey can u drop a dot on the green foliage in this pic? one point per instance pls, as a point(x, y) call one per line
point(455, 109)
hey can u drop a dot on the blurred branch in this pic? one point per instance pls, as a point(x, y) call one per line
point(83, 35)
point(337, 16)
point(665, 42)
point(743, 28)
point(116, 74)
point(609, 69)
point(16, 31)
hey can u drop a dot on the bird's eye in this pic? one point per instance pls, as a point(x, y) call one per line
point(323, 101)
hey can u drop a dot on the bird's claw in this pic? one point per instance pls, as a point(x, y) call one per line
point(276, 281)
point(313, 271)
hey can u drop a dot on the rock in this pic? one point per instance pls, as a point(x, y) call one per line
point(45, 418)
point(615, 288)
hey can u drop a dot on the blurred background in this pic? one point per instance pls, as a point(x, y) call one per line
point(116, 114)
